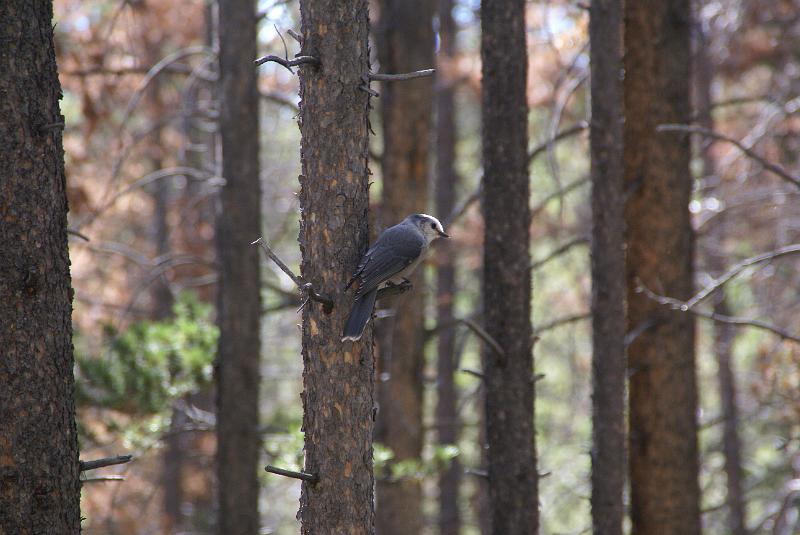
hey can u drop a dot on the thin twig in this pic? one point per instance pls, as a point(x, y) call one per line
point(474, 373)
point(108, 461)
point(100, 479)
point(683, 306)
point(305, 287)
point(561, 321)
point(568, 132)
point(557, 194)
point(299, 60)
point(723, 279)
point(486, 337)
point(78, 234)
point(379, 77)
point(769, 166)
point(311, 478)
point(580, 240)
point(285, 48)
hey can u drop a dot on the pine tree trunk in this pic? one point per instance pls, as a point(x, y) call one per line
point(39, 471)
point(447, 418)
point(405, 44)
point(513, 480)
point(338, 377)
point(661, 364)
point(608, 270)
point(239, 299)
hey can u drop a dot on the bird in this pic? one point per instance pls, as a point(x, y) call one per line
point(392, 258)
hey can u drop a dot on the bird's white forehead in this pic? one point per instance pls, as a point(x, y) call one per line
point(433, 219)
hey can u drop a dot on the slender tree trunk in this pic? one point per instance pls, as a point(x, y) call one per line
point(513, 480)
point(608, 269)
point(39, 472)
point(338, 377)
point(724, 333)
point(447, 418)
point(405, 44)
point(663, 395)
point(239, 299)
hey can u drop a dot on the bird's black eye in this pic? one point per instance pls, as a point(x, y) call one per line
point(433, 226)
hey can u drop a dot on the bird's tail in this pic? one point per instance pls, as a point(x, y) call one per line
point(359, 316)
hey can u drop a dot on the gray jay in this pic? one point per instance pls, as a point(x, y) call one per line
point(393, 257)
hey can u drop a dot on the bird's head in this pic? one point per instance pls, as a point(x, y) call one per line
point(429, 226)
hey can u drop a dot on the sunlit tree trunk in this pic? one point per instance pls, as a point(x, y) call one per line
point(663, 453)
point(39, 470)
point(447, 418)
point(239, 298)
point(405, 43)
point(513, 480)
point(338, 377)
point(608, 269)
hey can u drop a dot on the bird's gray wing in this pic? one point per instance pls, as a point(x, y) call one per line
point(396, 248)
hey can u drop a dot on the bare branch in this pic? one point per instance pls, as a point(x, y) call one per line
point(108, 461)
point(299, 60)
point(486, 337)
point(568, 132)
point(561, 321)
point(462, 208)
point(311, 478)
point(769, 166)
point(474, 373)
point(557, 194)
point(101, 479)
point(723, 279)
point(78, 234)
point(683, 306)
point(305, 287)
point(580, 240)
point(378, 77)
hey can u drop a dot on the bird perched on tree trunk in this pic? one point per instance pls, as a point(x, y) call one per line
point(394, 257)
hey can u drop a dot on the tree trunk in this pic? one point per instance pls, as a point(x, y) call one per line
point(405, 44)
point(608, 269)
point(39, 471)
point(338, 377)
point(239, 299)
point(724, 333)
point(447, 418)
point(513, 479)
point(663, 395)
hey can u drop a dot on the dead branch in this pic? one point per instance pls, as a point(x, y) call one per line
point(288, 63)
point(747, 151)
point(306, 288)
point(107, 461)
point(100, 479)
point(683, 306)
point(568, 132)
point(558, 194)
point(474, 373)
point(311, 478)
point(558, 322)
point(378, 77)
point(580, 240)
point(486, 337)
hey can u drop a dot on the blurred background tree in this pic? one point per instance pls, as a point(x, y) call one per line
point(144, 173)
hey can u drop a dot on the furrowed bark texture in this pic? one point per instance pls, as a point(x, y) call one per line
point(513, 479)
point(447, 418)
point(724, 334)
point(405, 44)
point(663, 396)
point(608, 269)
point(239, 300)
point(338, 377)
point(39, 473)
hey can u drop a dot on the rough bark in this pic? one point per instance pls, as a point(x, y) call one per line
point(447, 418)
point(723, 333)
point(513, 479)
point(239, 299)
point(405, 44)
point(338, 377)
point(608, 269)
point(39, 473)
point(663, 454)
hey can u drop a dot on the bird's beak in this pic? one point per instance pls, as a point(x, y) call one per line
point(443, 234)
